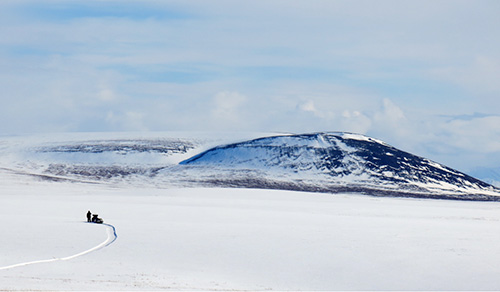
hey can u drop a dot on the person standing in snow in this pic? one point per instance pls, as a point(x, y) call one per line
point(88, 216)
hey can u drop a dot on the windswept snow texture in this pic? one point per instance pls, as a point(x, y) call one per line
point(338, 162)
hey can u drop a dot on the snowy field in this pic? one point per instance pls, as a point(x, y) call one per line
point(241, 239)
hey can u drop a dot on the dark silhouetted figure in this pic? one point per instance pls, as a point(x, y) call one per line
point(88, 216)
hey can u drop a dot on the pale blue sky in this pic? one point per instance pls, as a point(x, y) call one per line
point(422, 75)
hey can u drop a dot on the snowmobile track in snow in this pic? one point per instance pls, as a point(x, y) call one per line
point(111, 231)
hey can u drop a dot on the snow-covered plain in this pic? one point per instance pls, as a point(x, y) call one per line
point(237, 239)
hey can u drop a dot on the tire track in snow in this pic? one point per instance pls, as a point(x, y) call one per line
point(111, 231)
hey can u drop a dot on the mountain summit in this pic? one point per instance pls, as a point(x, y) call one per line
point(335, 162)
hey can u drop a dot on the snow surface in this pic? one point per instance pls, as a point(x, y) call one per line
point(242, 239)
point(176, 237)
point(360, 137)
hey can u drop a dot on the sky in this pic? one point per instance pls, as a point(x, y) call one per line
point(424, 76)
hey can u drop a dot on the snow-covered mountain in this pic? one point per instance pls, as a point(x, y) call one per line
point(336, 162)
point(331, 162)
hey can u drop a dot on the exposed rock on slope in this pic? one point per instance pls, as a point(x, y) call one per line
point(334, 162)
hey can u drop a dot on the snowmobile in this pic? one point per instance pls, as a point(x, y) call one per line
point(96, 219)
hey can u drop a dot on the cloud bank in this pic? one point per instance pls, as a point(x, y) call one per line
point(404, 71)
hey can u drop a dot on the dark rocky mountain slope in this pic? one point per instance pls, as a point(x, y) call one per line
point(334, 162)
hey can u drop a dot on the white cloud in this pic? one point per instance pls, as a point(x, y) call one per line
point(390, 113)
point(480, 75)
point(107, 95)
point(227, 107)
point(355, 121)
point(308, 106)
point(479, 134)
point(126, 121)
